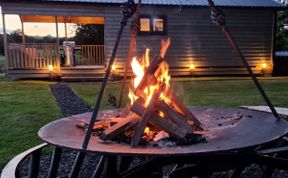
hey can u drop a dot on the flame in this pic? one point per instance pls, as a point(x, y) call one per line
point(139, 67)
point(138, 70)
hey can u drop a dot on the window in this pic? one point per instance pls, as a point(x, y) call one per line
point(158, 25)
point(152, 25)
point(145, 25)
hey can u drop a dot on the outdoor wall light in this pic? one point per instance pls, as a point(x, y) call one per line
point(113, 67)
point(50, 67)
point(264, 66)
point(192, 67)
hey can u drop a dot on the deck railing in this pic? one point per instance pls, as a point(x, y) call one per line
point(32, 56)
point(89, 55)
point(41, 56)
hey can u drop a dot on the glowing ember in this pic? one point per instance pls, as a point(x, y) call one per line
point(147, 129)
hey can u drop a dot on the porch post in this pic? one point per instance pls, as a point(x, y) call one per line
point(23, 32)
point(5, 44)
point(58, 45)
point(65, 25)
point(57, 32)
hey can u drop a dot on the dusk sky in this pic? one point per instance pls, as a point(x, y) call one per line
point(34, 29)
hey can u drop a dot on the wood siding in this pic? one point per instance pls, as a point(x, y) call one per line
point(195, 40)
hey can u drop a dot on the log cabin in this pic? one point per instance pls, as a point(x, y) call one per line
point(198, 47)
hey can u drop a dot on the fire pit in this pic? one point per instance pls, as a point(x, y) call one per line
point(154, 107)
point(224, 130)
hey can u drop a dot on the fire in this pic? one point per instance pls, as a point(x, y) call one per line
point(139, 67)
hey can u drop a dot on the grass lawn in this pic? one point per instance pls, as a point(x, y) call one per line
point(25, 106)
point(221, 92)
point(28, 105)
point(1, 63)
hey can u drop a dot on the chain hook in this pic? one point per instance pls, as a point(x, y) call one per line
point(128, 9)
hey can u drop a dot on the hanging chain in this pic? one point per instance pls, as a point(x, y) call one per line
point(135, 28)
point(218, 18)
point(135, 24)
point(128, 9)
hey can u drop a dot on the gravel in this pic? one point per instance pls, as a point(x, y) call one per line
point(68, 101)
point(65, 166)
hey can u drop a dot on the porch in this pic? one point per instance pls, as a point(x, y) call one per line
point(26, 60)
point(44, 60)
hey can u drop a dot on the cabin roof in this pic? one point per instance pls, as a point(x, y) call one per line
point(224, 3)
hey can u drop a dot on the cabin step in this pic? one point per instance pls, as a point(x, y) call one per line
point(84, 67)
point(80, 79)
point(67, 72)
point(83, 71)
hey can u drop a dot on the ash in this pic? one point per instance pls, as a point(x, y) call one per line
point(126, 138)
point(209, 120)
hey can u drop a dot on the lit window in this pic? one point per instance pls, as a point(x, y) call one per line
point(158, 25)
point(153, 25)
point(145, 25)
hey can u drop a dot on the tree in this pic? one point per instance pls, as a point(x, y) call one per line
point(14, 37)
point(89, 34)
point(1, 45)
point(283, 1)
point(281, 41)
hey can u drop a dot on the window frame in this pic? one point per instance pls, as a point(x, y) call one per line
point(151, 17)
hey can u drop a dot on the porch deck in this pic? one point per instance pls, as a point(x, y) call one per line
point(41, 60)
point(32, 61)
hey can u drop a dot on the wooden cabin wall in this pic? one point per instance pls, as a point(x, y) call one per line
point(195, 40)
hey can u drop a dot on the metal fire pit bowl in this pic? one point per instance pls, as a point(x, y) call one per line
point(224, 130)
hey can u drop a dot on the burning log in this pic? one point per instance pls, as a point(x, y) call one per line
point(126, 110)
point(97, 125)
point(150, 98)
point(148, 77)
point(165, 45)
point(146, 116)
point(184, 110)
point(174, 116)
point(169, 127)
point(120, 127)
point(160, 122)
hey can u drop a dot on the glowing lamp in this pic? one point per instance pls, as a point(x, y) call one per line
point(264, 65)
point(113, 67)
point(50, 67)
point(192, 67)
